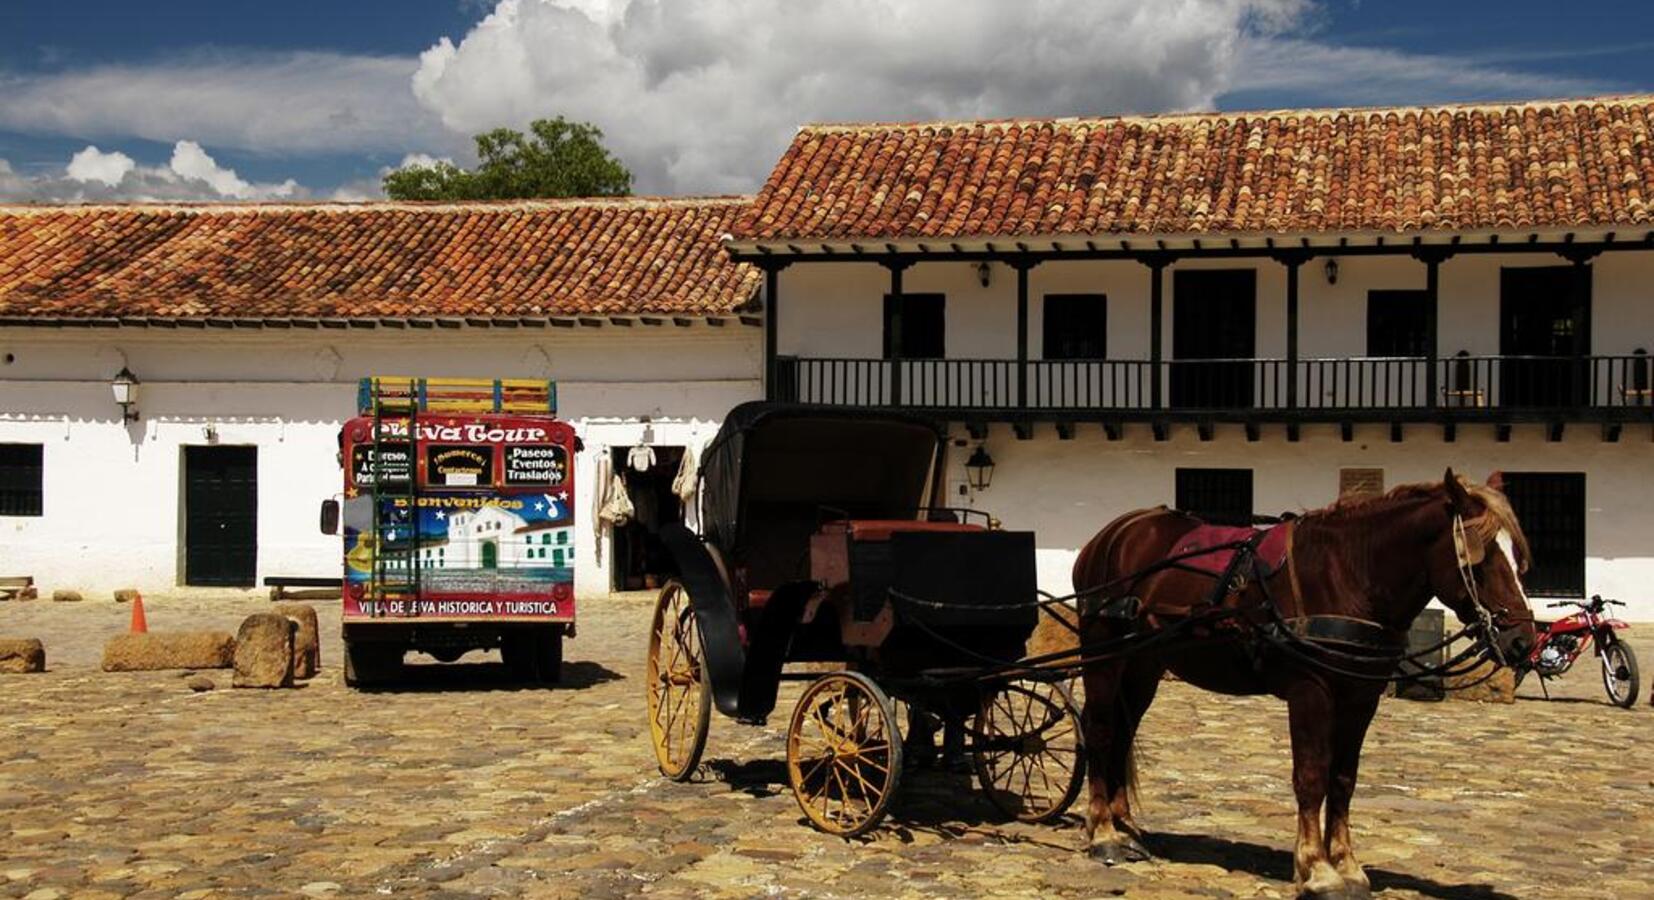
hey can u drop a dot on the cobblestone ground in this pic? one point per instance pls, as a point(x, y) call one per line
point(132, 786)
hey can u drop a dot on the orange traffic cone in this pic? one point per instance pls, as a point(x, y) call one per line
point(139, 625)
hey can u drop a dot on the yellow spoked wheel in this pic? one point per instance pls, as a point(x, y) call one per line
point(1027, 750)
point(680, 706)
point(844, 753)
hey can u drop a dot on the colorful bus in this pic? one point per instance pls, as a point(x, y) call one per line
point(458, 525)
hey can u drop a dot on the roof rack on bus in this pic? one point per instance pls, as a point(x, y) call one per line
point(457, 395)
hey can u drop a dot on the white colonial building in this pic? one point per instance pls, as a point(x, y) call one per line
point(494, 537)
point(248, 327)
point(1233, 313)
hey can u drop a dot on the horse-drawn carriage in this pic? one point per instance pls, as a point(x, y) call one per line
point(821, 529)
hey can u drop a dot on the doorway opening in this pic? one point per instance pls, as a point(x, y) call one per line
point(1543, 330)
point(1214, 320)
point(640, 560)
point(220, 516)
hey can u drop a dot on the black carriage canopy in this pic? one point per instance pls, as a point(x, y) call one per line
point(777, 467)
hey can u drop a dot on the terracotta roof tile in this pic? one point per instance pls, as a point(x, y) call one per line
point(1541, 165)
point(531, 259)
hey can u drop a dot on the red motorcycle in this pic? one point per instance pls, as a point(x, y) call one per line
point(1562, 642)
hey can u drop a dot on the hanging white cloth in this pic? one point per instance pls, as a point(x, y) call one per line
point(618, 510)
point(601, 486)
point(641, 458)
point(685, 485)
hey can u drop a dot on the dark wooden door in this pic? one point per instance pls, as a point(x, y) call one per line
point(1214, 318)
point(220, 516)
point(1540, 331)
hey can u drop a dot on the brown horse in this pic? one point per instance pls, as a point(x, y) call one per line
point(1366, 566)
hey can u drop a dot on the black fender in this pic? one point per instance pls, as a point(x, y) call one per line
point(709, 595)
point(770, 641)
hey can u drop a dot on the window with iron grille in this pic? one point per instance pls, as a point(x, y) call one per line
point(20, 479)
point(1223, 496)
point(1076, 326)
point(1551, 508)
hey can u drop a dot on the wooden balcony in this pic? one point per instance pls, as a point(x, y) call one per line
point(1501, 390)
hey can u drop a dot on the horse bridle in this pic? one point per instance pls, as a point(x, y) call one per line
point(1468, 556)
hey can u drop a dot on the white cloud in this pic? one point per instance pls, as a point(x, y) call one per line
point(93, 164)
point(1333, 74)
point(270, 103)
point(703, 94)
point(190, 161)
point(95, 176)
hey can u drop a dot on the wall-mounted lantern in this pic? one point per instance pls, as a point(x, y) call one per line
point(1332, 270)
point(984, 272)
point(125, 387)
point(979, 469)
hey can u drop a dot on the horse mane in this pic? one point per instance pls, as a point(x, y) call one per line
point(1497, 516)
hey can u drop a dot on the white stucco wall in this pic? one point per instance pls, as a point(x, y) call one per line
point(112, 492)
point(1066, 490)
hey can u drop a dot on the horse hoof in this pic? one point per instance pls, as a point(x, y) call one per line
point(1111, 853)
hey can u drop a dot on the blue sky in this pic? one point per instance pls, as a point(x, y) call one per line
point(305, 99)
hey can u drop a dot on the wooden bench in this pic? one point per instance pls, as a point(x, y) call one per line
point(17, 587)
point(291, 587)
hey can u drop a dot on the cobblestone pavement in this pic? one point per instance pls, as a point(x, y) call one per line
point(131, 785)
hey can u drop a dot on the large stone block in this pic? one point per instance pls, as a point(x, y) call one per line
point(1500, 687)
point(264, 652)
point(169, 650)
point(307, 641)
point(63, 595)
point(22, 655)
point(126, 595)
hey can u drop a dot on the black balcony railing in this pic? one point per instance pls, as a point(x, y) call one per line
point(1466, 386)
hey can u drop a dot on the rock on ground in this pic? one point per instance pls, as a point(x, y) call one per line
point(66, 596)
point(126, 595)
point(22, 655)
point(200, 683)
point(169, 650)
point(307, 645)
point(264, 652)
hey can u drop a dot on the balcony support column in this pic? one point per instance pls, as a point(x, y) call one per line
point(893, 328)
point(1579, 302)
point(1022, 265)
point(772, 324)
point(1293, 260)
point(1432, 257)
point(1157, 263)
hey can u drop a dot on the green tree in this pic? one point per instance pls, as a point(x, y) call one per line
point(557, 158)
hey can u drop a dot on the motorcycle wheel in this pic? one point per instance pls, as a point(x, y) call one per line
point(1619, 672)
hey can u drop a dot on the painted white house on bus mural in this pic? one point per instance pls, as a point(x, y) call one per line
point(248, 327)
point(494, 537)
point(1242, 313)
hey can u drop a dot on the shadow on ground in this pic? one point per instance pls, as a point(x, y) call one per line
point(1269, 862)
point(486, 676)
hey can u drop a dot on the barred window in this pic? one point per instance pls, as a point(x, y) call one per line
point(20, 493)
point(1551, 508)
point(1222, 496)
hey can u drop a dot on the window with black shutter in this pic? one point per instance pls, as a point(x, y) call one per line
point(1551, 508)
point(1222, 496)
point(20, 472)
point(1398, 323)
point(1076, 326)
point(924, 327)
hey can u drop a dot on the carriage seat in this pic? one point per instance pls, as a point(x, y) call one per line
point(1271, 552)
point(882, 529)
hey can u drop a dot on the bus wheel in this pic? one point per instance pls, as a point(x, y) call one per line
point(534, 655)
point(369, 663)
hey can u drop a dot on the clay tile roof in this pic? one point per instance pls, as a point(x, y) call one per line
point(531, 259)
point(1539, 165)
